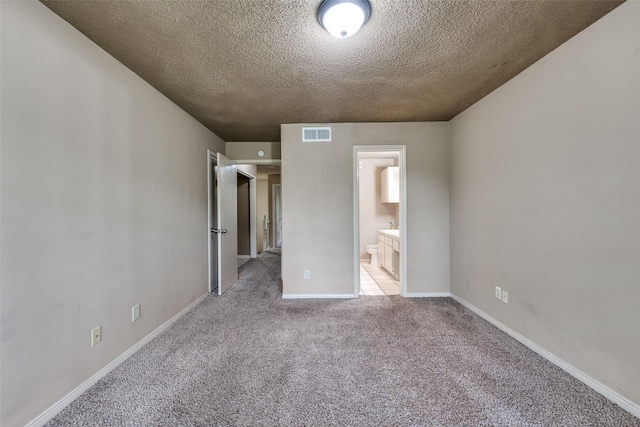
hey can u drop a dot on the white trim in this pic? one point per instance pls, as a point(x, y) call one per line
point(427, 294)
point(258, 161)
point(211, 157)
point(245, 256)
point(356, 220)
point(404, 285)
point(274, 217)
point(253, 211)
point(597, 386)
point(57, 407)
point(402, 149)
point(315, 296)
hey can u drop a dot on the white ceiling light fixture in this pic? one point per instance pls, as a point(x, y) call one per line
point(343, 18)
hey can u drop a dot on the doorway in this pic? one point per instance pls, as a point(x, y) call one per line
point(247, 211)
point(222, 222)
point(267, 176)
point(380, 220)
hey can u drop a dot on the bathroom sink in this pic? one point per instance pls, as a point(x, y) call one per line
point(395, 233)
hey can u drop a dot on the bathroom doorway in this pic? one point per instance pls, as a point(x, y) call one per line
point(379, 220)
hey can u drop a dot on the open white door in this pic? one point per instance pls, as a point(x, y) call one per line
point(227, 230)
point(213, 220)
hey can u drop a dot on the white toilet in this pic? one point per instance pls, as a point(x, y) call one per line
point(373, 251)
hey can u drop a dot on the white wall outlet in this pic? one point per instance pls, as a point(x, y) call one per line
point(498, 292)
point(307, 274)
point(96, 336)
point(135, 312)
point(505, 297)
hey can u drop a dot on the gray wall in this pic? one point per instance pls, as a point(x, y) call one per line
point(104, 205)
point(317, 198)
point(545, 202)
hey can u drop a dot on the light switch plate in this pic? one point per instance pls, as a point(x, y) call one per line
point(135, 312)
point(96, 335)
point(505, 297)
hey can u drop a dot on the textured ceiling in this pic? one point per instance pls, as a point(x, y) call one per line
point(243, 67)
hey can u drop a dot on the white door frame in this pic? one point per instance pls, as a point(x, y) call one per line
point(274, 219)
point(252, 211)
point(254, 192)
point(211, 158)
point(403, 213)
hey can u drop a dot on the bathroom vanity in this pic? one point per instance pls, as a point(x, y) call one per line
point(389, 251)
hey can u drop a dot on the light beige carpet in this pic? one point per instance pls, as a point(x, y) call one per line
point(249, 358)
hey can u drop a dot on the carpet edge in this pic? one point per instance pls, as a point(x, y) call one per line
point(598, 387)
point(57, 407)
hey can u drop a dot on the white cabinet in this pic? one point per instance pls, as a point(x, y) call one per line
point(388, 258)
point(390, 185)
point(389, 253)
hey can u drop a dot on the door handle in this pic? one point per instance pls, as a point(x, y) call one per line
point(223, 230)
point(215, 230)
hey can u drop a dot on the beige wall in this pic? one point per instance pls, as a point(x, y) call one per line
point(104, 205)
point(249, 150)
point(248, 169)
point(317, 187)
point(374, 215)
point(546, 202)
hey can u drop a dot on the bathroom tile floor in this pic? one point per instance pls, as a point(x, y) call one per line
point(376, 281)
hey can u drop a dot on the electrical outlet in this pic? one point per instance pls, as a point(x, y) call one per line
point(498, 292)
point(307, 274)
point(135, 312)
point(96, 336)
point(505, 297)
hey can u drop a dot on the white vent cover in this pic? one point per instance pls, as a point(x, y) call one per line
point(316, 134)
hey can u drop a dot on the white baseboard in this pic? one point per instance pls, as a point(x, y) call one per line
point(325, 296)
point(329, 296)
point(244, 256)
point(57, 407)
point(427, 295)
point(610, 394)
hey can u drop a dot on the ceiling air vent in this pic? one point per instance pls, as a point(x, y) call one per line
point(316, 134)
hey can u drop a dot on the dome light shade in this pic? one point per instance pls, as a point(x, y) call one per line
point(343, 18)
